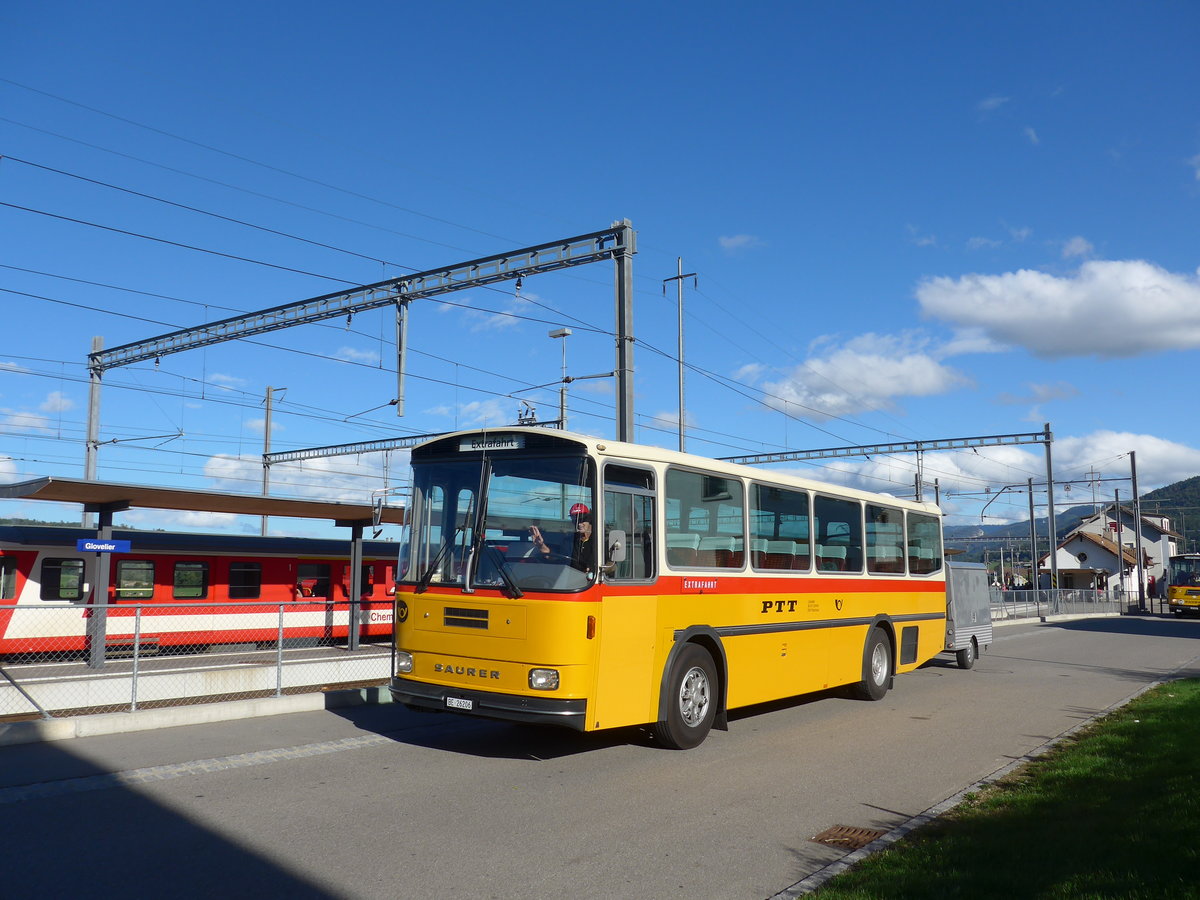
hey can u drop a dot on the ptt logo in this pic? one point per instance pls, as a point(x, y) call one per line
point(401, 611)
point(778, 606)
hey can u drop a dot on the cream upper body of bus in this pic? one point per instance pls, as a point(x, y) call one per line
point(559, 578)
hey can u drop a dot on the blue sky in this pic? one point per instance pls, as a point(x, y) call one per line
point(908, 221)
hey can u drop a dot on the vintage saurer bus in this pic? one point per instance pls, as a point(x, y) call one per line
point(552, 577)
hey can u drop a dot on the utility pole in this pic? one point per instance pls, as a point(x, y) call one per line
point(1137, 532)
point(266, 479)
point(678, 279)
point(93, 424)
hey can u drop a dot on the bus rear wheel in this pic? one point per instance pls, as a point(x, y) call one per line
point(876, 667)
point(691, 700)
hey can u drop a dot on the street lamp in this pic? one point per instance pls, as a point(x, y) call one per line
point(563, 333)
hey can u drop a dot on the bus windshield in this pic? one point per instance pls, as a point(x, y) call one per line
point(1185, 571)
point(502, 521)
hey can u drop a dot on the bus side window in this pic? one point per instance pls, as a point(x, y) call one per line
point(839, 534)
point(629, 507)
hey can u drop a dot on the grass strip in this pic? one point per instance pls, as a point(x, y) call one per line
point(1112, 812)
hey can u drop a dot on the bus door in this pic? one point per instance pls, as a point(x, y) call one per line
point(313, 583)
point(626, 677)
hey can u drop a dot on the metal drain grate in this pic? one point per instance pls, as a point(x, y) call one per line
point(847, 837)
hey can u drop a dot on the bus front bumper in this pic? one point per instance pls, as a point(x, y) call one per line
point(508, 707)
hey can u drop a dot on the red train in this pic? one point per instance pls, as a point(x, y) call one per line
point(193, 589)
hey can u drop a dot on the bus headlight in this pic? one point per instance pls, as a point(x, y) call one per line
point(543, 679)
point(404, 662)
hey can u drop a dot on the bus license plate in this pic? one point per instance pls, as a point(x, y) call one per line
point(459, 703)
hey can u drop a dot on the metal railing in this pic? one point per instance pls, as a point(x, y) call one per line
point(173, 654)
point(1029, 604)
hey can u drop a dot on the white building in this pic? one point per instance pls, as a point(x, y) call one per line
point(1087, 557)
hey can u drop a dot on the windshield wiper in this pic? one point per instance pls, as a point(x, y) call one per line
point(427, 575)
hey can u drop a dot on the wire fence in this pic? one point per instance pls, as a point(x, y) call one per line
point(155, 655)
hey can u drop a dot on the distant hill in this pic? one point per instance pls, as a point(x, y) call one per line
point(1180, 502)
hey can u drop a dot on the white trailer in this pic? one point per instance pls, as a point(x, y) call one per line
point(968, 611)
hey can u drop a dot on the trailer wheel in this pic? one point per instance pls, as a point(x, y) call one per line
point(691, 701)
point(876, 668)
point(967, 655)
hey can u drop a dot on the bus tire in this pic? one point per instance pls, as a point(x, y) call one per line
point(876, 667)
point(967, 655)
point(691, 700)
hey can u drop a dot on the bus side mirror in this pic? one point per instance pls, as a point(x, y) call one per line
point(616, 546)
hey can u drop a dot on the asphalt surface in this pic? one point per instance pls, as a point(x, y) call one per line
point(377, 801)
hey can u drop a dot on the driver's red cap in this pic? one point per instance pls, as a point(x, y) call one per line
point(579, 509)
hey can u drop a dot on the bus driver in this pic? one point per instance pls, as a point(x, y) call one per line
point(582, 555)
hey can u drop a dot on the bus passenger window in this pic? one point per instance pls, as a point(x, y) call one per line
point(885, 540)
point(779, 529)
point(704, 521)
point(838, 532)
point(924, 544)
point(62, 579)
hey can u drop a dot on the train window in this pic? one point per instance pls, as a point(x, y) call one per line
point(245, 580)
point(191, 581)
point(135, 579)
point(62, 579)
point(8, 579)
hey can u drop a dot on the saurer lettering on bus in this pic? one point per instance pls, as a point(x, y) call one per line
point(465, 670)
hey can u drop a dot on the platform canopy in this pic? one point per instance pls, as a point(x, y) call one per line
point(97, 495)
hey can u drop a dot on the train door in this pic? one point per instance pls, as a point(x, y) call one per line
point(314, 583)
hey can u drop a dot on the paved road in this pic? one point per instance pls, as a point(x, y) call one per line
point(380, 802)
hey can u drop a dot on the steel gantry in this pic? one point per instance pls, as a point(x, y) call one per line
point(1044, 437)
point(618, 243)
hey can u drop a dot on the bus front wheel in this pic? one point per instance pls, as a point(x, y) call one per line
point(691, 700)
point(876, 667)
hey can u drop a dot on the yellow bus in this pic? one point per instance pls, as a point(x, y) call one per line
point(551, 577)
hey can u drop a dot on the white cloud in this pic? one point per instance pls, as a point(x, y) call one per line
point(258, 426)
point(349, 479)
point(979, 243)
point(1107, 309)
point(921, 240)
point(57, 401)
point(16, 420)
point(733, 242)
point(749, 373)
point(1042, 393)
point(1194, 162)
point(1032, 136)
point(1021, 234)
point(1077, 246)
point(497, 411)
point(868, 372)
point(227, 382)
point(990, 104)
point(351, 354)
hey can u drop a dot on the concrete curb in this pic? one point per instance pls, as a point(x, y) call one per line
point(174, 716)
